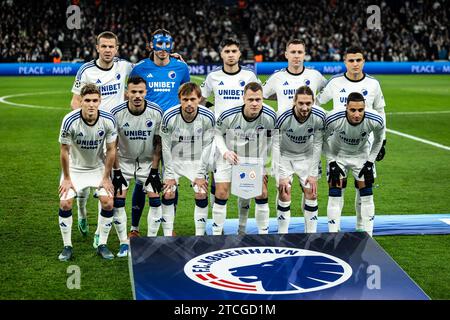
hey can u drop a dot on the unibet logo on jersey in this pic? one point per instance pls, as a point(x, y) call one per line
point(268, 270)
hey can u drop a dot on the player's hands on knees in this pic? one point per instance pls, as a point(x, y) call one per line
point(231, 157)
point(367, 172)
point(312, 181)
point(155, 180)
point(118, 180)
point(202, 185)
point(65, 186)
point(284, 186)
point(335, 173)
point(169, 187)
point(107, 185)
point(382, 152)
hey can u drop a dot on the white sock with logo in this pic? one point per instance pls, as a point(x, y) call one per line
point(283, 216)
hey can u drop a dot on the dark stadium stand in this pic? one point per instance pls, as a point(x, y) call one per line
point(410, 31)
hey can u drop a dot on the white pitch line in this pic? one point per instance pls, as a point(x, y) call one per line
point(437, 145)
point(3, 100)
point(417, 112)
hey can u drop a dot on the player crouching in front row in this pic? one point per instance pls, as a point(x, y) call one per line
point(187, 132)
point(239, 132)
point(83, 135)
point(347, 148)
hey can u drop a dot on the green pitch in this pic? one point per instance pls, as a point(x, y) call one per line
point(414, 178)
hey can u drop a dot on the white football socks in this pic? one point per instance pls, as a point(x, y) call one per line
point(283, 216)
point(310, 216)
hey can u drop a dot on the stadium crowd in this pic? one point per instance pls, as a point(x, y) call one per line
point(410, 31)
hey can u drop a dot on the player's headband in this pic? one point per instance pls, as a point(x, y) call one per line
point(162, 42)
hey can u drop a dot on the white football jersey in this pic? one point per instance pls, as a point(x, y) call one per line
point(110, 81)
point(86, 141)
point(136, 132)
point(301, 138)
point(339, 87)
point(247, 138)
point(186, 141)
point(343, 138)
point(284, 84)
point(227, 88)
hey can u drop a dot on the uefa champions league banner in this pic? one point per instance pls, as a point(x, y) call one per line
point(66, 69)
point(322, 266)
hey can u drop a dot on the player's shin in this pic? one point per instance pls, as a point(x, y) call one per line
point(65, 225)
point(219, 214)
point(137, 205)
point(120, 220)
point(359, 223)
point(200, 216)
point(82, 198)
point(283, 216)
point(367, 209)
point(168, 216)
point(154, 216)
point(262, 215)
point(243, 208)
point(310, 213)
point(334, 209)
point(106, 221)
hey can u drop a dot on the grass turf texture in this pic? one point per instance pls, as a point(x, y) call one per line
point(414, 178)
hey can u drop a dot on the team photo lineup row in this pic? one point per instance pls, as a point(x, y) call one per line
point(135, 121)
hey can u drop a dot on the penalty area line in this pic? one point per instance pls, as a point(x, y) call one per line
point(434, 144)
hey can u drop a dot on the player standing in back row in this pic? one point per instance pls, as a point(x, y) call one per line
point(283, 84)
point(164, 75)
point(227, 84)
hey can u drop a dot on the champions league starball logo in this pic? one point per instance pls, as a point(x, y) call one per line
point(268, 270)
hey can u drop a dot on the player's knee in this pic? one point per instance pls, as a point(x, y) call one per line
point(201, 203)
point(221, 193)
point(107, 203)
point(168, 196)
point(335, 192)
point(200, 195)
point(65, 205)
point(309, 195)
point(285, 196)
point(119, 202)
point(366, 191)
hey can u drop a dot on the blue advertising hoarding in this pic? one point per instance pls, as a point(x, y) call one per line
point(322, 266)
point(67, 68)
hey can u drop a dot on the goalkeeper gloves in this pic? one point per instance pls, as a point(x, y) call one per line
point(367, 172)
point(155, 180)
point(382, 152)
point(209, 105)
point(118, 180)
point(335, 173)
